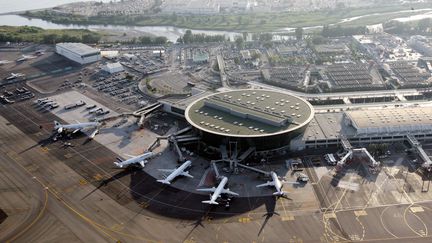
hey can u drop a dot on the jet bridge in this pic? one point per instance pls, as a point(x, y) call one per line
point(351, 151)
point(234, 161)
point(144, 112)
point(177, 138)
point(427, 163)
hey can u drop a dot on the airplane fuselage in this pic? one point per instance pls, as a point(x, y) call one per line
point(219, 189)
point(178, 171)
point(277, 183)
point(80, 125)
point(134, 160)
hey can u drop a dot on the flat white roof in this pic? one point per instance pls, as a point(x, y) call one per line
point(79, 48)
point(114, 65)
point(391, 117)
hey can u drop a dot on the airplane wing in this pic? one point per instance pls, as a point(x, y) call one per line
point(130, 156)
point(77, 122)
point(268, 183)
point(76, 130)
point(290, 182)
point(166, 170)
point(206, 189)
point(186, 173)
point(229, 192)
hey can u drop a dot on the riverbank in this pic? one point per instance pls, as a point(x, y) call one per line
point(253, 22)
point(39, 35)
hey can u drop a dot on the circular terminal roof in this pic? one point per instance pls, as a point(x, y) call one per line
point(249, 113)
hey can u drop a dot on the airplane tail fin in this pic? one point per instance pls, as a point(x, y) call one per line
point(164, 182)
point(93, 134)
point(210, 202)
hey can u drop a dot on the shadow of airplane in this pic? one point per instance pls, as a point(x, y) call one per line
point(199, 222)
point(41, 143)
point(270, 205)
point(123, 173)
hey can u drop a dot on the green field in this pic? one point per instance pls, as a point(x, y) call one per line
point(253, 22)
point(39, 35)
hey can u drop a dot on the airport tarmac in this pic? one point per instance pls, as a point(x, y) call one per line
point(74, 194)
point(124, 139)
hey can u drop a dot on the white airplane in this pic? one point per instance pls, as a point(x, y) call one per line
point(140, 159)
point(25, 58)
point(15, 75)
point(59, 128)
point(217, 191)
point(276, 183)
point(180, 171)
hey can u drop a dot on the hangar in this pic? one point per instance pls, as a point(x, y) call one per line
point(78, 52)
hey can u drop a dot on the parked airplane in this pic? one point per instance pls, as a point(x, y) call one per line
point(276, 183)
point(15, 75)
point(180, 171)
point(140, 159)
point(59, 128)
point(217, 191)
point(25, 58)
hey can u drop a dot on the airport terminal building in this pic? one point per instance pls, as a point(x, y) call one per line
point(262, 119)
point(366, 126)
point(274, 121)
point(78, 52)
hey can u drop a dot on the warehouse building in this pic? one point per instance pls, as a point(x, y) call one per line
point(113, 67)
point(78, 52)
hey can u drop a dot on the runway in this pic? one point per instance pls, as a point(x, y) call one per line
point(51, 193)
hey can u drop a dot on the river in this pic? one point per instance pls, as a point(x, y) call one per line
point(170, 32)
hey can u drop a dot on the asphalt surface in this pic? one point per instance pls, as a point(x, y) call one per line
point(51, 193)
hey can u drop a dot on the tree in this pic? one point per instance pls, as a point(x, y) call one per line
point(146, 40)
point(266, 37)
point(90, 38)
point(187, 37)
point(160, 40)
point(299, 33)
point(236, 60)
point(239, 42)
point(50, 38)
point(245, 35)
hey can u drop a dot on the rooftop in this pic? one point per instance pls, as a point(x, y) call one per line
point(384, 118)
point(79, 48)
point(252, 113)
